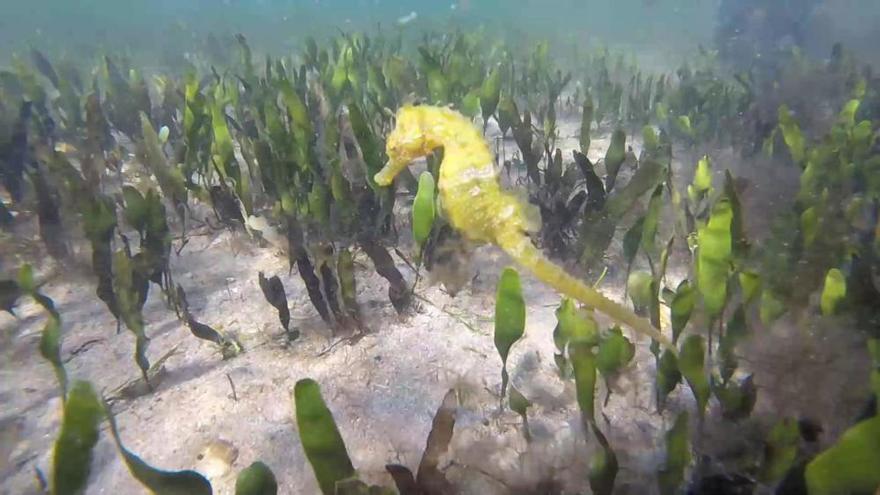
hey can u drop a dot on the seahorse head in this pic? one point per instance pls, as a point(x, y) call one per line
point(406, 143)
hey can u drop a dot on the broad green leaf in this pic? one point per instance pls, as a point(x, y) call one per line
point(737, 224)
point(470, 104)
point(780, 450)
point(861, 86)
point(750, 283)
point(347, 283)
point(714, 257)
point(771, 307)
point(520, 405)
point(423, 209)
point(615, 352)
point(678, 457)
point(575, 324)
point(693, 197)
point(438, 86)
point(50, 338)
point(368, 142)
point(398, 72)
point(299, 116)
point(319, 204)
point(193, 101)
point(662, 112)
point(661, 274)
point(632, 241)
point(791, 134)
point(490, 93)
point(614, 157)
point(50, 349)
point(681, 308)
point(735, 331)
point(340, 191)
point(703, 176)
point(377, 85)
point(320, 437)
point(170, 179)
point(508, 113)
point(833, 292)
point(810, 225)
point(654, 303)
point(136, 209)
point(684, 126)
point(99, 222)
point(850, 465)
point(811, 180)
point(256, 479)
point(26, 278)
point(560, 339)
point(340, 78)
point(639, 288)
point(668, 377)
point(651, 140)
point(586, 123)
point(647, 176)
point(691, 363)
point(854, 207)
point(510, 318)
point(99, 219)
point(129, 300)
point(156, 480)
point(603, 466)
point(518, 402)
point(584, 363)
point(847, 116)
point(80, 428)
point(862, 139)
point(737, 399)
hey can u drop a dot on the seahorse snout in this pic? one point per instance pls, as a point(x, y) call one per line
point(386, 176)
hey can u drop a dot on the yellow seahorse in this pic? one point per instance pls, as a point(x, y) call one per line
point(475, 204)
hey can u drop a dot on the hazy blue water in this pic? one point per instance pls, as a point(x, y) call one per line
point(667, 29)
point(275, 25)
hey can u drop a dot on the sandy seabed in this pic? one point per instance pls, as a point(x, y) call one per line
point(383, 389)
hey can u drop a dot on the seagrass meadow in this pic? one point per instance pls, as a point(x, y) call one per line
point(480, 247)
